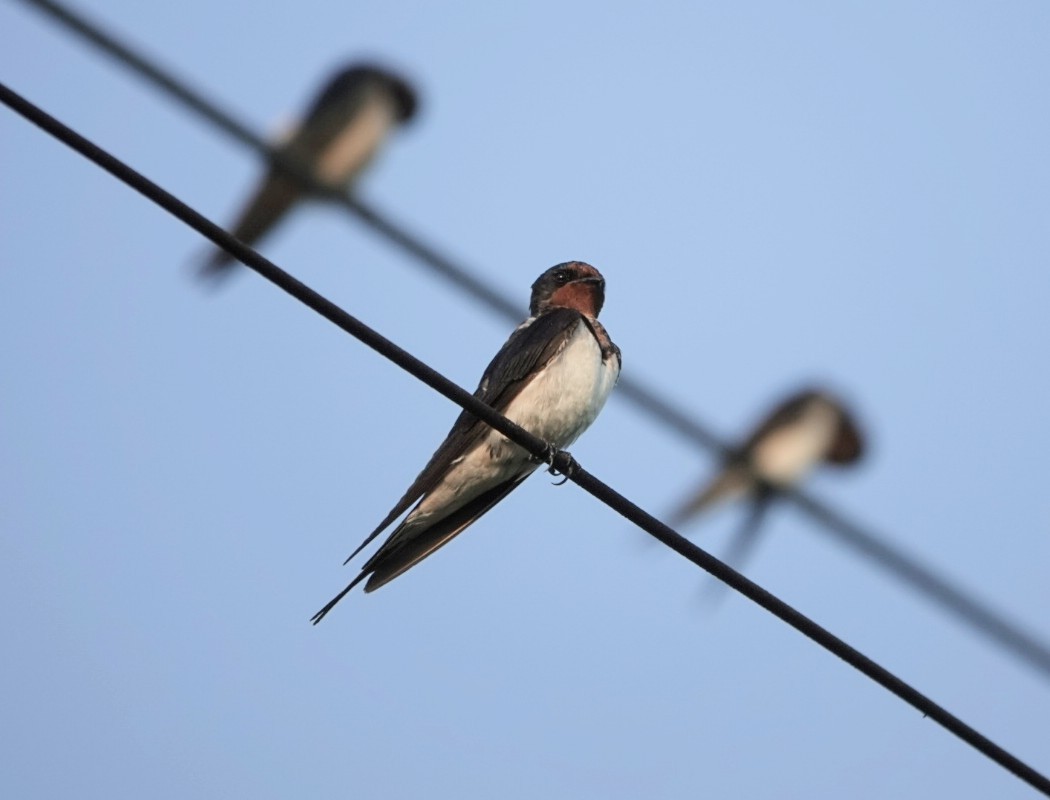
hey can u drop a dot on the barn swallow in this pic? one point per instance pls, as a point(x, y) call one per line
point(552, 377)
point(338, 137)
point(806, 429)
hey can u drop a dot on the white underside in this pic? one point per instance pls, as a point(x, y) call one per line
point(557, 405)
point(785, 456)
point(354, 148)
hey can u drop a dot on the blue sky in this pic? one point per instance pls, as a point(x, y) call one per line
point(776, 193)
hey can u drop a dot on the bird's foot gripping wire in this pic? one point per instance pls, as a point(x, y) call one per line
point(559, 462)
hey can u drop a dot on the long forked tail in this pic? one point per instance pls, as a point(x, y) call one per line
point(400, 552)
point(320, 615)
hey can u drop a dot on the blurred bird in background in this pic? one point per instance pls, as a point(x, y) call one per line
point(340, 134)
point(808, 428)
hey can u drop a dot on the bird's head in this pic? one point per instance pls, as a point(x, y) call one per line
point(356, 77)
point(573, 284)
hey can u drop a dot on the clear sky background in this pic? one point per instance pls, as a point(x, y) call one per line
point(777, 193)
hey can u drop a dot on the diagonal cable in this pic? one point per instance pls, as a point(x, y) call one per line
point(562, 461)
point(905, 567)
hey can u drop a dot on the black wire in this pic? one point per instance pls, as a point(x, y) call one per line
point(904, 567)
point(910, 571)
point(562, 461)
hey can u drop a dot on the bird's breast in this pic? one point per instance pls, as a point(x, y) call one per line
point(565, 397)
point(788, 454)
point(350, 151)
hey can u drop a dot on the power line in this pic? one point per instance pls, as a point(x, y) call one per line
point(562, 461)
point(904, 567)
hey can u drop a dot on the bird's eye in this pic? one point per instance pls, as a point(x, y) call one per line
point(561, 277)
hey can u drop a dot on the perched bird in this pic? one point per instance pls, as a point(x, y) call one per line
point(341, 132)
point(552, 377)
point(808, 428)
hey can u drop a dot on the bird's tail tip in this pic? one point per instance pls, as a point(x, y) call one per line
point(320, 615)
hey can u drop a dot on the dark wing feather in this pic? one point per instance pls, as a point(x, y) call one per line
point(390, 562)
point(344, 88)
point(529, 348)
